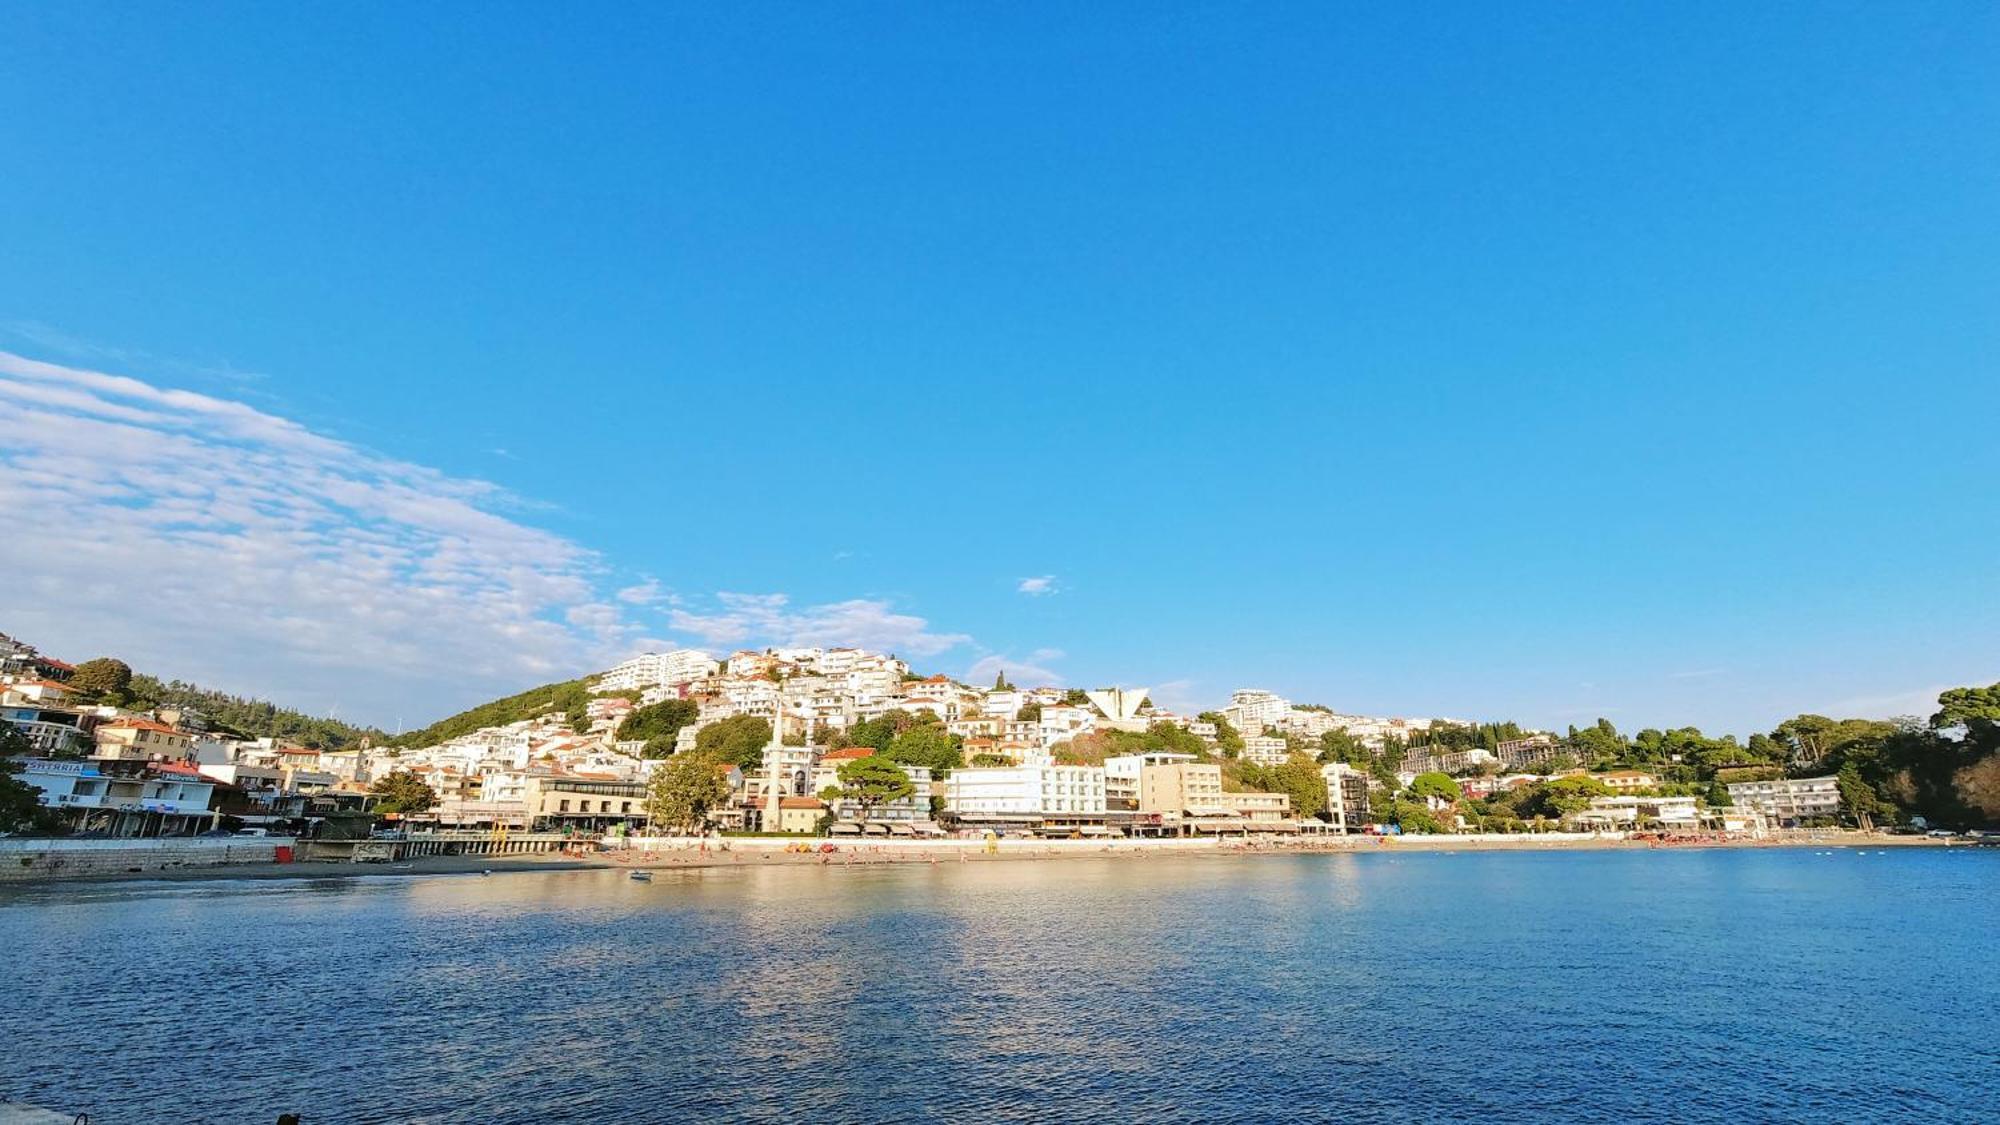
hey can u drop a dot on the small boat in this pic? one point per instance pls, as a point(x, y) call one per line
point(643, 876)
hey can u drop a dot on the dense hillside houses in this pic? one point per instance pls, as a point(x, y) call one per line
point(844, 741)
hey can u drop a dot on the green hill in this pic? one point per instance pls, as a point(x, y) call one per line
point(568, 696)
point(245, 717)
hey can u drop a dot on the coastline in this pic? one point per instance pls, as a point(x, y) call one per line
point(770, 852)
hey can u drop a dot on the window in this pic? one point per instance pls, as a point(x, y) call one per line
point(562, 806)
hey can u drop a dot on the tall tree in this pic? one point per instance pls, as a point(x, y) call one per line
point(20, 803)
point(658, 724)
point(1439, 785)
point(738, 740)
point(1964, 706)
point(1300, 779)
point(402, 792)
point(105, 679)
point(929, 746)
point(685, 789)
point(874, 781)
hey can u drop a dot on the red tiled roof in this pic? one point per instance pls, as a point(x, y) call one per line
point(801, 803)
point(38, 683)
point(848, 754)
point(140, 724)
point(177, 768)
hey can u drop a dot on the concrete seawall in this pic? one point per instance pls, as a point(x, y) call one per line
point(36, 860)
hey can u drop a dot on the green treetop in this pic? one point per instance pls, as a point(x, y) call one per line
point(874, 781)
point(738, 740)
point(402, 792)
point(684, 788)
point(103, 680)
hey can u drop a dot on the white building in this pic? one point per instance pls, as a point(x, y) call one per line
point(1789, 801)
point(1045, 797)
point(1266, 750)
point(661, 669)
point(1250, 710)
point(1346, 796)
point(124, 799)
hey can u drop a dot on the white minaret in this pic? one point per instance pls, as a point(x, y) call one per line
point(774, 755)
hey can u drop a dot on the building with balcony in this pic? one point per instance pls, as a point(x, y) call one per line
point(124, 798)
point(140, 740)
point(584, 803)
point(1038, 798)
point(1789, 801)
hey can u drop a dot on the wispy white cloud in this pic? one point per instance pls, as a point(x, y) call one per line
point(644, 593)
point(1176, 696)
point(210, 540)
point(738, 619)
point(1698, 674)
point(1039, 586)
point(1921, 702)
point(1029, 671)
point(54, 340)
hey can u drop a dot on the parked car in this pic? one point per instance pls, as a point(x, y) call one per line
point(1941, 834)
point(253, 833)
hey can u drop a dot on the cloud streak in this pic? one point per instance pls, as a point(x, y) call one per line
point(1037, 587)
point(210, 540)
point(741, 619)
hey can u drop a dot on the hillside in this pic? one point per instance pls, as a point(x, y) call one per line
point(243, 716)
point(568, 696)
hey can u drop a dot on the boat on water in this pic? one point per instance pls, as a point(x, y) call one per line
point(643, 876)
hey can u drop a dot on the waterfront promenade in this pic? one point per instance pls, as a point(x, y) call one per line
point(183, 863)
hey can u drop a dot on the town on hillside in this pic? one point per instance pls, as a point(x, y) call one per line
point(843, 742)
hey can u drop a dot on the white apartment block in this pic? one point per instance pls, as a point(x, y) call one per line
point(1026, 796)
point(1061, 723)
point(1266, 750)
point(1346, 796)
point(1533, 750)
point(1790, 800)
point(1432, 760)
point(658, 669)
point(1250, 710)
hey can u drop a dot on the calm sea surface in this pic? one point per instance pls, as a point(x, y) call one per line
point(1722, 986)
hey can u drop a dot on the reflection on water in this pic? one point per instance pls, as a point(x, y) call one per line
point(1576, 986)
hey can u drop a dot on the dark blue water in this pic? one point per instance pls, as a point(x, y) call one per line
point(1722, 986)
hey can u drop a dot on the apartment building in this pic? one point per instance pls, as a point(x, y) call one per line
point(124, 797)
point(1346, 796)
point(1789, 801)
point(1250, 710)
point(1534, 750)
point(1041, 798)
point(651, 669)
point(1624, 781)
point(139, 740)
point(1433, 760)
point(1263, 812)
point(1183, 798)
point(587, 803)
point(1266, 750)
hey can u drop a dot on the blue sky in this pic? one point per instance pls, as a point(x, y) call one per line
point(1538, 362)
